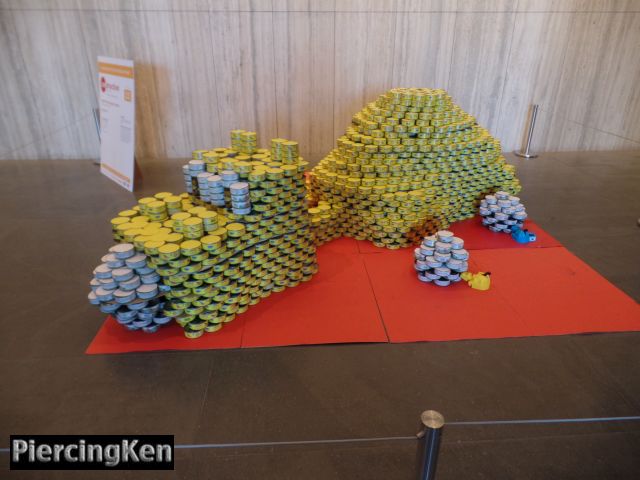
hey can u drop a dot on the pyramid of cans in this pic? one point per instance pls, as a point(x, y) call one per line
point(441, 259)
point(411, 162)
point(124, 286)
point(501, 212)
point(240, 232)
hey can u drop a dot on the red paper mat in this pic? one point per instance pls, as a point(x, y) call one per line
point(114, 338)
point(356, 296)
point(535, 291)
point(476, 237)
point(336, 306)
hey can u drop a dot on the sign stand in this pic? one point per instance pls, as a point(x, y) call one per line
point(117, 120)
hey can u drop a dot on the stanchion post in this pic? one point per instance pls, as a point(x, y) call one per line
point(96, 120)
point(431, 425)
point(527, 149)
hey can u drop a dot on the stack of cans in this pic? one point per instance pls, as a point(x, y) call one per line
point(244, 142)
point(240, 201)
point(190, 173)
point(228, 177)
point(411, 163)
point(127, 288)
point(502, 212)
point(234, 238)
point(441, 259)
point(215, 190)
point(323, 216)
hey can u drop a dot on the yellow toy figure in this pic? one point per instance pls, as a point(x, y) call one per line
point(478, 281)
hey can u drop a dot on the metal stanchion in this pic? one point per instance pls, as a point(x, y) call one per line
point(431, 424)
point(96, 119)
point(527, 150)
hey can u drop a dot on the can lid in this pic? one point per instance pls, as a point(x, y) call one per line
point(190, 244)
point(211, 240)
point(169, 248)
point(180, 216)
point(121, 248)
point(102, 268)
point(235, 227)
point(101, 291)
point(173, 237)
point(119, 220)
point(147, 288)
point(192, 221)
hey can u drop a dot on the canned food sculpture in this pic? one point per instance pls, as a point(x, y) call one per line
point(441, 259)
point(241, 232)
point(126, 287)
point(502, 212)
point(412, 162)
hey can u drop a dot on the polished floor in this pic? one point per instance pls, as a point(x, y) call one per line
point(55, 229)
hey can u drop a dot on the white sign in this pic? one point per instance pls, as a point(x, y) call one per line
point(117, 120)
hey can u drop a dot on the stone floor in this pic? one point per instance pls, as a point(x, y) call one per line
point(55, 228)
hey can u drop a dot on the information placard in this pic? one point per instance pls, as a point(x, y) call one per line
point(117, 120)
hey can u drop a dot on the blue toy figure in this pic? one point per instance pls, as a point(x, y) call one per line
point(522, 236)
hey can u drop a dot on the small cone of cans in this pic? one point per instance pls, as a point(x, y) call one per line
point(502, 212)
point(127, 288)
point(441, 259)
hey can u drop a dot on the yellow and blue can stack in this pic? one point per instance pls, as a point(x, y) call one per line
point(241, 232)
point(411, 163)
point(124, 286)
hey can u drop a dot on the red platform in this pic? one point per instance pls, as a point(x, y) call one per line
point(537, 289)
point(478, 237)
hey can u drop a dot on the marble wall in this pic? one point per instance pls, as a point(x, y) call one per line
point(300, 68)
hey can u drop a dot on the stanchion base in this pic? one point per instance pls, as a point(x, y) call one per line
point(525, 155)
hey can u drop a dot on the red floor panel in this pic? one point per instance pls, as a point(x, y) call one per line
point(336, 306)
point(476, 237)
point(414, 311)
point(535, 291)
point(113, 338)
point(557, 293)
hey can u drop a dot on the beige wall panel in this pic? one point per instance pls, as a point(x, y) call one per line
point(382, 6)
point(364, 62)
point(54, 63)
point(561, 134)
point(480, 54)
point(245, 74)
point(304, 78)
point(423, 48)
point(302, 68)
point(197, 81)
point(161, 55)
point(533, 74)
point(19, 122)
point(304, 5)
point(617, 73)
point(599, 140)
